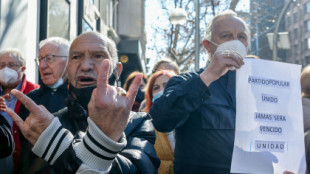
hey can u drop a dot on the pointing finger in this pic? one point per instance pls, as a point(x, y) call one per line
point(16, 119)
point(133, 90)
point(25, 100)
point(103, 76)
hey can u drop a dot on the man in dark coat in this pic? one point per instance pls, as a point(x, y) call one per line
point(116, 140)
point(201, 106)
point(52, 62)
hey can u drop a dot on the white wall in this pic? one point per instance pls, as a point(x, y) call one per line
point(19, 29)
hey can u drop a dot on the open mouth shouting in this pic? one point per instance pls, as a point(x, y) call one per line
point(85, 81)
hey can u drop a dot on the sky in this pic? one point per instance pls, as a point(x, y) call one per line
point(153, 18)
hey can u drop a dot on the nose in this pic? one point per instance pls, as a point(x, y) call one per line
point(235, 37)
point(162, 88)
point(42, 63)
point(87, 64)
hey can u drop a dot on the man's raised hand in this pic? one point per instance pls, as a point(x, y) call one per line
point(37, 121)
point(110, 106)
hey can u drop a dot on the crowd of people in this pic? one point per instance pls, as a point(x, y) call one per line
point(79, 121)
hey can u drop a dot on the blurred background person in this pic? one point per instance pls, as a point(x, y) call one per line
point(305, 89)
point(166, 64)
point(6, 138)
point(163, 64)
point(52, 62)
point(165, 142)
point(140, 94)
point(12, 76)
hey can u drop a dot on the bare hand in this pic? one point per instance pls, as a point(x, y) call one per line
point(37, 121)
point(220, 64)
point(108, 108)
point(2, 101)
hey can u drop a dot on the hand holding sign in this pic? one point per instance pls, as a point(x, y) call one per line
point(37, 121)
point(110, 106)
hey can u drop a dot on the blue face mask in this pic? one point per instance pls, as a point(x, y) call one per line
point(59, 82)
point(157, 95)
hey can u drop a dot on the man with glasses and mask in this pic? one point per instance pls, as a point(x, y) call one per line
point(116, 139)
point(201, 106)
point(52, 62)
point(12, 67)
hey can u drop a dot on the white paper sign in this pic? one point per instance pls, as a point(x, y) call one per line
point(269, 135)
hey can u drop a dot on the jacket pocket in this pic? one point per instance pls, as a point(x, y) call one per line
point(217, 116)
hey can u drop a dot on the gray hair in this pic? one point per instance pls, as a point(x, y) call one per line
point(111, 46)
point(13, 52)
point(210, 27)
point(62, 43)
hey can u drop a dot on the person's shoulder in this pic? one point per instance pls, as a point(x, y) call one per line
point(138, 121)
point(61, 113)
point(135, 117)
point(33, 85)
point(186, 76)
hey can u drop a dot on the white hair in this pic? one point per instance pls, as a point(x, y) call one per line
point(62, 43)
point(13, 52)
point(210, 27)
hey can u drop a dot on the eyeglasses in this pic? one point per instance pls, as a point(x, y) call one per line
point(48, 59)
point(10, 65)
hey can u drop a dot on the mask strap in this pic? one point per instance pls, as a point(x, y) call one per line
point(213, 42)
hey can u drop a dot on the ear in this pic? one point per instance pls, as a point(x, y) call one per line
point(23, 68)
point(207, 44)
point(118, 70)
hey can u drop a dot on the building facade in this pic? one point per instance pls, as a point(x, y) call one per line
point(298, 25)
point(264, 14)
point(24, 23)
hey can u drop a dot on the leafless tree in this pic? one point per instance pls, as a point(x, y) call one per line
point(180, 40)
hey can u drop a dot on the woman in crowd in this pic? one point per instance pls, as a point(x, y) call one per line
point(166, 64)
point(140, 94)
point(165, 142)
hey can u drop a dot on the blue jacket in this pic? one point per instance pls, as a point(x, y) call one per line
point(204, 120)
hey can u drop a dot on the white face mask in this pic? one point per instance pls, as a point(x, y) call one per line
point(232, 45)
point(8, 76)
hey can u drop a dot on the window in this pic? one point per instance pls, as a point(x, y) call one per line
point(296, 33)
point(307, 60)
point(86, 26)
point(307, 43)
point(58, 17)
point(307, 25)
point(295, 17)
point(288, 20)
point(307, 7)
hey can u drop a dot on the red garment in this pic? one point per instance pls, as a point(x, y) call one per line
point(25, 88)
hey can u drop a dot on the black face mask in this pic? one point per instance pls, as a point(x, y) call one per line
point(83, 95)
point(140, 96)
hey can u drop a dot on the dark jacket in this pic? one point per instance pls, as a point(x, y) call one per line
point(52, 99)
point(204, 121)
point(138, 156)
point(25, 88)
point(6, 138)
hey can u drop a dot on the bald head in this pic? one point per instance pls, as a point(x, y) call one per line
point(99, 38)
point(305, 82)
point(86, 54)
